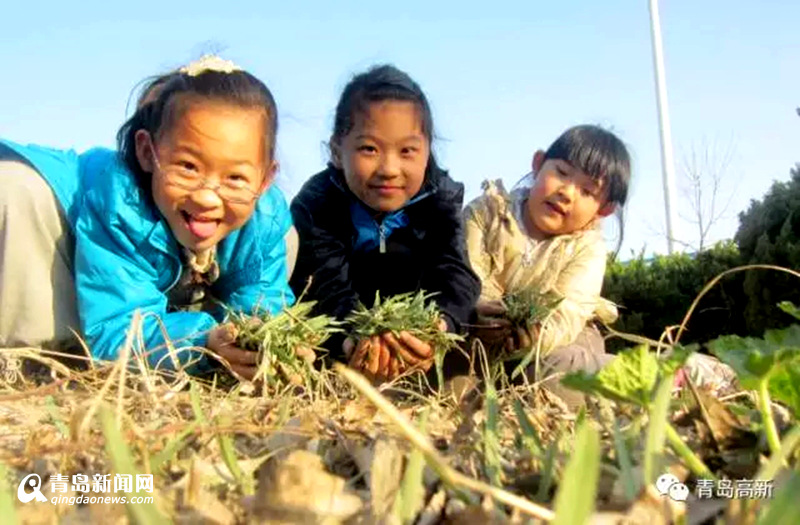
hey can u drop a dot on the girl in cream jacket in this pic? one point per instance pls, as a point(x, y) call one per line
point(548, 236)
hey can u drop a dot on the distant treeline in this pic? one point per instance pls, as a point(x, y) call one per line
point(656, 292)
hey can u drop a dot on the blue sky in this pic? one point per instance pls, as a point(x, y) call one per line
point(504, 78)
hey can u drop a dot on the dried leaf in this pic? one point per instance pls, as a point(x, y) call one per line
point(297, 488)
point(385, 475)
point(651, 508)
point(200, 505)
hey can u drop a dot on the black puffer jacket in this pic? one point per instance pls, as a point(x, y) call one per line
point(427, 254)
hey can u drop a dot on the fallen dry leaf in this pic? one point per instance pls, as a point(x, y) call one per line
point(385, 475)
point(650, 508)
point(297, 488)
point(199, 505)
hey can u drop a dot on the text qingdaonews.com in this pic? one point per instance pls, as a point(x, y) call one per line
point(85, 500)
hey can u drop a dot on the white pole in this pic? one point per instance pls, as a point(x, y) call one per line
point(667, 160)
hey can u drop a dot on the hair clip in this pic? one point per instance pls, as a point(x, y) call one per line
point(209, 63)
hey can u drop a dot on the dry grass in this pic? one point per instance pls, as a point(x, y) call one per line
point(336, 450)
point(213, 452)
point(204, 444)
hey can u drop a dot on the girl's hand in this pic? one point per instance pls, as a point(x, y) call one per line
point(243, 362)
point(370, 357)
point(522, 338)
point(491, 310)
point(384, 357)
point(409, 352)
point(492, 327)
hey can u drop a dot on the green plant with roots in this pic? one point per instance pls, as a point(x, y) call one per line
point(526, 306)
point(526, 309)
point(411, 312)
point(285, 342)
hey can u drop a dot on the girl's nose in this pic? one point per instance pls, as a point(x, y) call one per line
point(390, 166)
point(567, 191)
point(206, 198)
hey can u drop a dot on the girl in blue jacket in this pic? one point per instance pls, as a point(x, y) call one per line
point(182, 218)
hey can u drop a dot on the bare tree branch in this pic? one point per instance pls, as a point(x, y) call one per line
point(705, 171)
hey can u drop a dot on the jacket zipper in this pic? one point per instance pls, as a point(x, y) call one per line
point(381, 228)
point(382, 234)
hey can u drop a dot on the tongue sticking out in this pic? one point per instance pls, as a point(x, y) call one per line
point(201, 229)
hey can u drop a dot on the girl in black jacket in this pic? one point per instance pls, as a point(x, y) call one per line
point(383, 217)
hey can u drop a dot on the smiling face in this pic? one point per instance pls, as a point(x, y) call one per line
point(563, 199)
point(219, 144)
point(384, 156)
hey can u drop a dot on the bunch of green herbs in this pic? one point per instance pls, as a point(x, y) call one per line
point(279, 338)
point(526, 306)
point(411, 312)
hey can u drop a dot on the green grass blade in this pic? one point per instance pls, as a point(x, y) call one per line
point(197, 407)
point(578, 488)
point(173, 447)
point(580, 417)
point(8, 509)
point(491, 441)
point(438, 363)
point(629, 483)
point(228, 453)
point(530, 438)
point(122, 462)
point(657, 432)
point(784, 510)
point(411, 497)
point(790, 442)
point(691, 459)
point(548, 469)
point(55, 417)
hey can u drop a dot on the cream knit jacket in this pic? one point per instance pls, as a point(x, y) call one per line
point(568, 266)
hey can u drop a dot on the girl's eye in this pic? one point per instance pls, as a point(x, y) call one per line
point(409, 151)
point(367, 148)
point(186, 165)
point(237, 177)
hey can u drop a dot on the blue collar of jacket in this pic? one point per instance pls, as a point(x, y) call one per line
point(372, 233)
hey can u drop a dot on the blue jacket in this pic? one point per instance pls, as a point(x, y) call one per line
point(126, 257)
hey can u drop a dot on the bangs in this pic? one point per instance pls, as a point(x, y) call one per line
point(599, 154)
